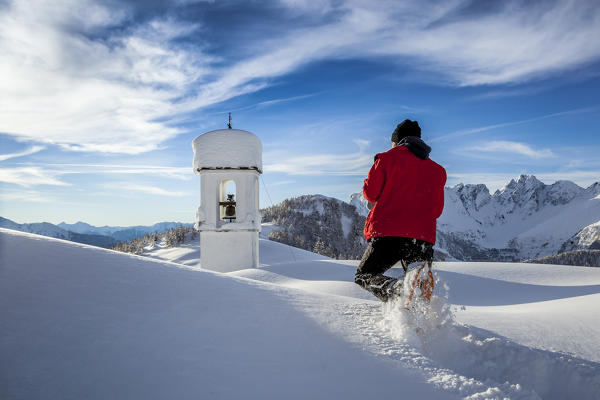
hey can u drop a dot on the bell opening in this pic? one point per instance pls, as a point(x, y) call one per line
point(227, 203)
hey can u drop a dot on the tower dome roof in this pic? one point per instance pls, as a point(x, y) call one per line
point(227, 149)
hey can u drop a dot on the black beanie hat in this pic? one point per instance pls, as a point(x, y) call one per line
point(406, 128)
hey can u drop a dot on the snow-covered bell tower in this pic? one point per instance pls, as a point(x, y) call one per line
point(229, 162)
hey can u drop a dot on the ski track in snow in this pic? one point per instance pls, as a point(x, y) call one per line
point(458, 359)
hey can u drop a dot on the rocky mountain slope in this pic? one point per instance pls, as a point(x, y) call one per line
point(320, 224)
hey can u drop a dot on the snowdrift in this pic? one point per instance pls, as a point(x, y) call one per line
point(83, 322)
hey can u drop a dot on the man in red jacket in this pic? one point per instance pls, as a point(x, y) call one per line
point(406, 189)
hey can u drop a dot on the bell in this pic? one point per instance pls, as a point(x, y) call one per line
point(230, 211)
point(229, 205)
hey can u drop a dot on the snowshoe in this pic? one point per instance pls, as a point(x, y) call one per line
point(422, 285)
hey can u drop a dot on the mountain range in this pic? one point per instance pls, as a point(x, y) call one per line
point(81, 232)
point(526, 219)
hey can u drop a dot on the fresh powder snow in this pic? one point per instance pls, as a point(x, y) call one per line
point(84, 322)
point(227, 148)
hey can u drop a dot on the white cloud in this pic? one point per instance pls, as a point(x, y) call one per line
point(29, 196)
point(182, 173)
point(487, 128)
point(321, 164)
point(91, 95)
point(57, 169)
point(513, 44)
point(279, 183)
point(581, 177)
point(29, 151)
point(362, 144)
point(150, 190)
point(318, 7)
point(503, 146)
point(117, 94)
point(30, 176)
point(49, 173)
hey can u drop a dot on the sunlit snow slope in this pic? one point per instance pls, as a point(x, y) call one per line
point(82, 322)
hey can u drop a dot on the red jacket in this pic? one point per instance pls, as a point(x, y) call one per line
point(408, 193)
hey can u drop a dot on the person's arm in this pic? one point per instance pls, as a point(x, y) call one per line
point(374, 182)
point(439, 200)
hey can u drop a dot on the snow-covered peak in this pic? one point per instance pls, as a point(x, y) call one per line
point(529, 180)
point(594, 189)
point(525, 193)
point(360, 203)
point(562, 192)
point(473, 197)
point(587, 238)
point(522, 184)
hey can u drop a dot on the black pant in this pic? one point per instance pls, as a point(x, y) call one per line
point(382, 254)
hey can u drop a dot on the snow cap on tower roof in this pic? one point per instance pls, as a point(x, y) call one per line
point(227, 148)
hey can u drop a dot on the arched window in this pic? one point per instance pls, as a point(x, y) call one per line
point(227, 200)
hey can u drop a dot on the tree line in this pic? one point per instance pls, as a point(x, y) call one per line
point(584, 258)
point(171, 238)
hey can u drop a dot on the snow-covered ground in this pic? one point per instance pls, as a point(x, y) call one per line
point(82, 322)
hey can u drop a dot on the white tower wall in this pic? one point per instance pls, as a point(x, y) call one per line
point(228, 251)
point(221, 157)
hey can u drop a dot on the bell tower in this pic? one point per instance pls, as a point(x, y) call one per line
point(228, 219)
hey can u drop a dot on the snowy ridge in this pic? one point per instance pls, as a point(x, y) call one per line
point(587, 238)
point(297, 327)
point(360, 203)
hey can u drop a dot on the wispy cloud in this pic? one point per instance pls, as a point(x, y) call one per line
point(322, 164)
point(50, 173)
point(583, 178)
point(284, 100)
point(181, 173)
point(29, 151)
point(267, 103)
point(119, 91)
point(29, 196)
point(503, 146)
point(155, 190)
point(30, 176)
point(279, 183)
point(481, 129)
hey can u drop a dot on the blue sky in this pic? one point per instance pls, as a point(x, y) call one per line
point(100, 100)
